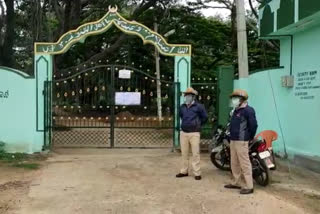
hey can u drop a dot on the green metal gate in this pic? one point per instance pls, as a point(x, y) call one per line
point(207, 89)
point(214, 95)
point(86, 113)
point(47, 114)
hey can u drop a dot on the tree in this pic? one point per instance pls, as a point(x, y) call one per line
point(213, 39)
point(265, 52)
point(7, 33)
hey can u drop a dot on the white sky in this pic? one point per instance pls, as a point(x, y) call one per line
point(224, 13)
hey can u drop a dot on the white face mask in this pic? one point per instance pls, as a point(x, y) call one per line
point(235, 102)
point(188, 99)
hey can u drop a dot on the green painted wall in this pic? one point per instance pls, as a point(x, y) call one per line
point(304, 118)
point(286, 17)
point(263, 88)
point(285, 14)
point(293, 112)
point(225, 88)
point(308, 8)
point(22, 107)
point(18, 112)
point(267, 21)
point(263, 3)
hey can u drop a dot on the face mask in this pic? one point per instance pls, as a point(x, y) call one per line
point(188, 99)
point(235, 102)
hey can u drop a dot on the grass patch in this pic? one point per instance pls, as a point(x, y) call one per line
point(15, 157)
point(27, 165)
point(20, 160)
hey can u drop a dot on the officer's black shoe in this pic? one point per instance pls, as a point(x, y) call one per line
point(198, 177)
point(230, 186)
point(181, 175)
point(246, 191)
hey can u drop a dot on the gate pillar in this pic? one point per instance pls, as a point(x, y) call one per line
point(43, 72)
point(182, 75)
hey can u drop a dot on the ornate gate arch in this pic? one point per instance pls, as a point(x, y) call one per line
point(44, 53)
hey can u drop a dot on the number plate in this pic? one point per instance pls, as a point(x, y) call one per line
point(269, 163)
point(264, 154)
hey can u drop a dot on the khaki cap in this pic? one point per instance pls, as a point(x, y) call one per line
point(191, 91)
point(240, 93)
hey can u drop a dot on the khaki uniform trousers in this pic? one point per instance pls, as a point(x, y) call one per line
point(193, 140)
point(241, 165)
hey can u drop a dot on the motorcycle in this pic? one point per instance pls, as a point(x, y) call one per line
point(220, 148)
point(261, 158)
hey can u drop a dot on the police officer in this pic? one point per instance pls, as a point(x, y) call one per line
point(243, 128)
point(193, 116)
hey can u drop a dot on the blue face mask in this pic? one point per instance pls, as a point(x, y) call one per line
point(188, 99)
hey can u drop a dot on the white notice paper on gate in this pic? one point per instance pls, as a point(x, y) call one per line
point(124, 74)
point(128, 98)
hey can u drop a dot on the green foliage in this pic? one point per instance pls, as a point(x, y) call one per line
point(211, 38)
point(2, 150)
point(12, 158)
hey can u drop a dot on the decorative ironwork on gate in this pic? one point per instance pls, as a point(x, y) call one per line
point(86, 112)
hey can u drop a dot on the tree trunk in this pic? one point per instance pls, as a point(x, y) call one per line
point(2, 19)
point(233, 28)
point(158, 75)
point(76, 14)
point(37, 20)
point(67, 16)
point(6, 55)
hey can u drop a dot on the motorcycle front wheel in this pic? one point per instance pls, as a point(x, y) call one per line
point(220, 160)
point(263, 178)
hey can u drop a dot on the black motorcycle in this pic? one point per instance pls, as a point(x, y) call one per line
point(260, 157)
point(219, 149)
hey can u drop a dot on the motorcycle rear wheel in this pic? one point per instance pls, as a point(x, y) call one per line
point(264, 178)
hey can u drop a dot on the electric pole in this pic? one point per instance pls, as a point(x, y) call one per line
point(242, 40)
